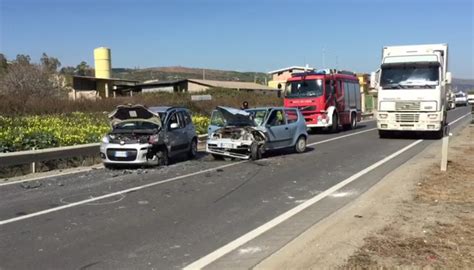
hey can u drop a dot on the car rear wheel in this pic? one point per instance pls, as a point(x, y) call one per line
point(193, 149)
point(300, 145)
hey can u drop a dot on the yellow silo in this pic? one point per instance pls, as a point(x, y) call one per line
point(103, 70)
point(103, 63)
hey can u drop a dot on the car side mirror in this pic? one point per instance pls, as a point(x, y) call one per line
point(174, 126)
point(449, 77)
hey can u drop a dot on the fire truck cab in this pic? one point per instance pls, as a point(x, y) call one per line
point(327, 98)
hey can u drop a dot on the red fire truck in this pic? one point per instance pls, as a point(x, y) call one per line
point(327, 98)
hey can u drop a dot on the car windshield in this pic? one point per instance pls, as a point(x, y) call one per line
point(135, 125)
point(410, 76)
point(258, 116)
point(304, 88)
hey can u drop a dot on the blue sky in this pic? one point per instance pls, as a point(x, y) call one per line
point(244, 35)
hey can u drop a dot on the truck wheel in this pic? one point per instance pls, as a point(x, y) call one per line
point(193, 149)
point(335, 123)
point(255, 151)
point(384, 134)
point(300, 145)
point(217, 157)
point(353, 121)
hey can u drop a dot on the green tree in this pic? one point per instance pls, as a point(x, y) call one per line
point(51, 64)
point(23, 59)
point(3, 64)
point(82, 69)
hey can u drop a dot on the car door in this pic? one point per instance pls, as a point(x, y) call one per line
point(217, 122)
point(291, 116)
point(277, 129)
point(176, 134)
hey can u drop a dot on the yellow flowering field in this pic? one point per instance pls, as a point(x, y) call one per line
point(38, 132)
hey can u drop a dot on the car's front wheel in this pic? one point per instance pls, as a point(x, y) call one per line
point(300, 145)
point(255, 151)
point(217, 157)
point(163, 157)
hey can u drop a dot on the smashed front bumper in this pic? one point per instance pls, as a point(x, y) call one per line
point(229, 148)
point(127, 154)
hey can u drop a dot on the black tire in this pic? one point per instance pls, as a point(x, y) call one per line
point(335, 123)
point(438, 134)
point(300, 145)
point(163, 157)
point(217, 157)
point(110, 166)
point(193, 149)
point(255, 151)
point(384, 134)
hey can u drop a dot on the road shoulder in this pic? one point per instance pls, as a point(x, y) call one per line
point(331, 242)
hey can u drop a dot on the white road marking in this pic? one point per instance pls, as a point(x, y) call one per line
point(215, 255)
point(340, 137)
point(53, 175)
point(220, 252)
point(3, 222)
point(43, 212)
point(450, 123)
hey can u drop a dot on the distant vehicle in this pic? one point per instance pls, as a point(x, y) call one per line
point(412, 83)
point(461, 99)
point(470, 98)
point(248, 134)
point(148, 136)
point(327, 98)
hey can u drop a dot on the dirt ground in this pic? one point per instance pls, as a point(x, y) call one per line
point(428, 222)
point(436, 227)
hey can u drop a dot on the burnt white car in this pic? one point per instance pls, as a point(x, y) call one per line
point(148, 136)
point(248, 134)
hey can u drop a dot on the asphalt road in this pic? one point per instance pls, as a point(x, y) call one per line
point(167, 218)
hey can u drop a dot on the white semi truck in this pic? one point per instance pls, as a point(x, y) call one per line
point(412, 84)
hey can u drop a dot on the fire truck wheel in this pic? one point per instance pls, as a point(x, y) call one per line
point(353, 121)
point(300, 145)
point(335, 123)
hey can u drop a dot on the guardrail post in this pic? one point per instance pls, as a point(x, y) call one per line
point(33, 164)
point(444, 153)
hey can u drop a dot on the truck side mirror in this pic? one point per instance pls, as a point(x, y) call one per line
point(448, 77)
point(373, 80)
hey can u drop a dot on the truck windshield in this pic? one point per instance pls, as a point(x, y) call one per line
point(305, 88)
point(409, 76)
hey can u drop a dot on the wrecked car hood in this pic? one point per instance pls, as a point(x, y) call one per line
point(236, 117)
point(137, 112)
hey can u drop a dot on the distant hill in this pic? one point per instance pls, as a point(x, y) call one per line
point(465, 85)
point(175, 73)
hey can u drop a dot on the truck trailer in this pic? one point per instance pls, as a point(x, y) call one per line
point(412, 84)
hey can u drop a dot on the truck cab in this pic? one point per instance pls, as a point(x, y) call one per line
point(412, 83)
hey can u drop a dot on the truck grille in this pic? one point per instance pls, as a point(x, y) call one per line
point(407, 106)
point(407, 118)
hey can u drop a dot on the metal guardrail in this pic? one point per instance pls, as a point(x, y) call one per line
point(32, 156)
